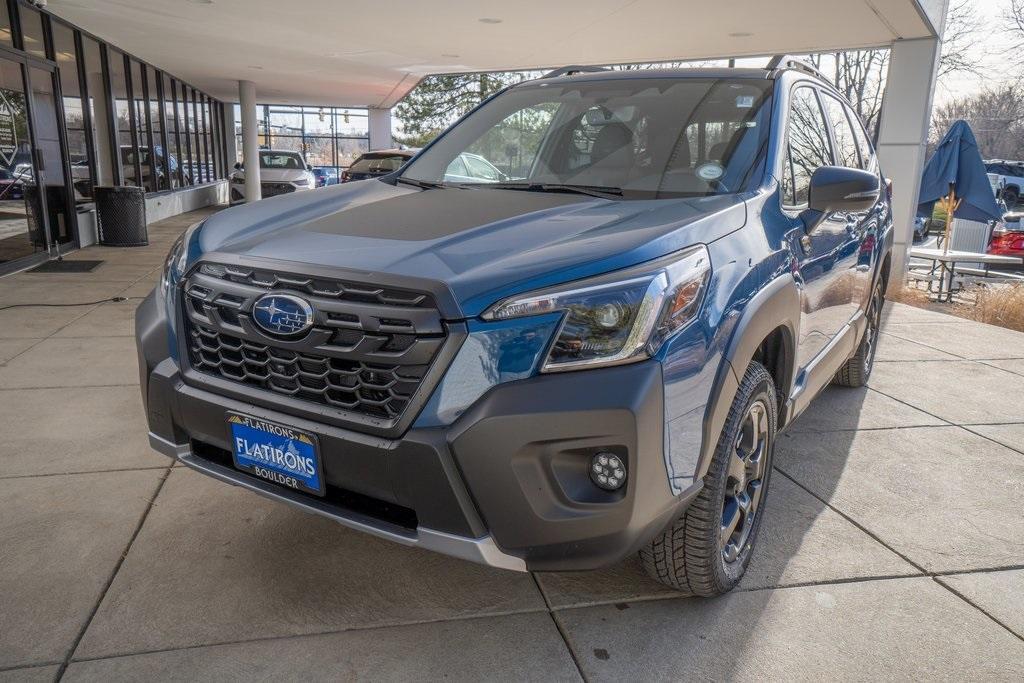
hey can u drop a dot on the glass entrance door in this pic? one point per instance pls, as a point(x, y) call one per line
point(35, 218)
point(23, 229)
point(48, 158)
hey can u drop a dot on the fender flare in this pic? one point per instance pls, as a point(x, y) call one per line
point(776, 305)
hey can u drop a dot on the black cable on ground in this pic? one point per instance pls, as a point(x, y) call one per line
point(113, 299)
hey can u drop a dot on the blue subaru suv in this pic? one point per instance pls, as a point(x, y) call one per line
point(588, 356)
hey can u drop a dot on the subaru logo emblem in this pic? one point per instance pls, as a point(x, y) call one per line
point(282, 314)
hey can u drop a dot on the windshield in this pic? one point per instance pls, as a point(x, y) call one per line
point(642, 137)
point(289, 160)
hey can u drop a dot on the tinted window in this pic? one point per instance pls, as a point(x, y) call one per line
point(842, 133)
point(809, 146)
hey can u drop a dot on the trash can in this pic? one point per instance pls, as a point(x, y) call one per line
point(121, 215)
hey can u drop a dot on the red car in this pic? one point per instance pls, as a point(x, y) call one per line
point(1008, 238)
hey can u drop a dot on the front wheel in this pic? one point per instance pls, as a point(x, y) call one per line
point(856, 370)
point(706, 551)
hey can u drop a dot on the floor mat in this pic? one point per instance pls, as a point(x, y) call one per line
point(83, 266)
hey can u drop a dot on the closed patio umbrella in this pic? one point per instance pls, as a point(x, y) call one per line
point(955, 174)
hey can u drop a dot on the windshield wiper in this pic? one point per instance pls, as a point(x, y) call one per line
point(422, 184)
point(590, 190)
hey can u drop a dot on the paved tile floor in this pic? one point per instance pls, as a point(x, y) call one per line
point(893, 546)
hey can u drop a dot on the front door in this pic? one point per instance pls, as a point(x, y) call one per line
point(35, 219)
point(828, 254)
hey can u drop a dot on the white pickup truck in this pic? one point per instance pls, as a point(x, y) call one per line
point(1011, 178)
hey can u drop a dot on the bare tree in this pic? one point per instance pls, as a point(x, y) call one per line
point(996, 116)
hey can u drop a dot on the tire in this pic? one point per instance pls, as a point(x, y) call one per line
point(857, 369)
point(692, 556)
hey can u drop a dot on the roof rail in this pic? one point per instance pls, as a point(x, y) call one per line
point(779, 62)
point(574, 69)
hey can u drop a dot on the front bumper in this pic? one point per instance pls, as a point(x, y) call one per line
point(505, 484)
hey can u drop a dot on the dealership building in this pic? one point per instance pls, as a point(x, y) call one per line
point(166, 95)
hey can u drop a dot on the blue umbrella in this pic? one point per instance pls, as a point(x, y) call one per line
point(957, 173)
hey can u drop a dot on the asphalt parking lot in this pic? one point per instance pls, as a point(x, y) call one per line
point(893, 546)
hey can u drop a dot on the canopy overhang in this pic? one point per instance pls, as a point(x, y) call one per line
point(372, 53)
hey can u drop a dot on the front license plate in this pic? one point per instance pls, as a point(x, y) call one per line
point(284, 455)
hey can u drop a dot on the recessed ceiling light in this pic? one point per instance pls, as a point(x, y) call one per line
point(740, 34)
point(201, 2)
point(450, 55)
point(489, 20)
point(258, 68)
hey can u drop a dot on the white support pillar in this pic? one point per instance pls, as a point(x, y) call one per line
point(380, 129)
point(250, 140)
point(230, 143)
point(903, 133)
point(101, 130)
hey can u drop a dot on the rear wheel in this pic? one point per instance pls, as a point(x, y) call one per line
point(855, 372)
point(706, 551)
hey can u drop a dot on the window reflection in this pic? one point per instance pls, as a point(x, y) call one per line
point(809, 146)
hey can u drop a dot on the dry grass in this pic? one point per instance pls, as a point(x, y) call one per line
point(995, 304)
point(1001, 305)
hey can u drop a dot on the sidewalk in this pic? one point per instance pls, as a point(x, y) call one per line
point(893, 546)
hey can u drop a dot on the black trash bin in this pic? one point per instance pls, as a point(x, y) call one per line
point(121, 215)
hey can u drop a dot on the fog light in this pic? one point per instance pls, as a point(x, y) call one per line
point(607, 471)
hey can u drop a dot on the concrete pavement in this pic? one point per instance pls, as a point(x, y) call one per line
point(893, 545)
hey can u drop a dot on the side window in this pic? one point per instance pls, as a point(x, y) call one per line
point(867, 152)
point(842, 133)
point(809, 146)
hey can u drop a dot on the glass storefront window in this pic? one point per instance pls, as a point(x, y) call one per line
point(74, 114)
point(353, 123)
point(174, 156)
point(122, 116)
point(158, 152)
point(32, 31)
point(6, 39)
point(349, 149)
point(142, 130)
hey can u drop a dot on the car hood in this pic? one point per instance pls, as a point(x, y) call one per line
point(482, 244)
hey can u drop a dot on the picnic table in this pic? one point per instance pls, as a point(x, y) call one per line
point(945, 262)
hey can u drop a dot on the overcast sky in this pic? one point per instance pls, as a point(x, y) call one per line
point(997, 66)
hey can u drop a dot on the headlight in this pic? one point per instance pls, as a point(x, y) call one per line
point(617, 318)
point(177, 257)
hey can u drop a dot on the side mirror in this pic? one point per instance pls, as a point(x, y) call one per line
point(837, 188)
point(238, 165)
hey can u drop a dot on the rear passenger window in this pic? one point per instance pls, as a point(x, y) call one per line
point(842, 133)
point(809, 146)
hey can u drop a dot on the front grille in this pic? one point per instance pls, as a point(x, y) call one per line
point(367, 353)
point(274, 189)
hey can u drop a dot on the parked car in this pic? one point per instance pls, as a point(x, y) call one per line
point(1009, 176)
point(281, 172)
point(1008, 236)
point(376, 164)
point(12, 186)
point(325, 175)
point(548, 373)
point(472, 167)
